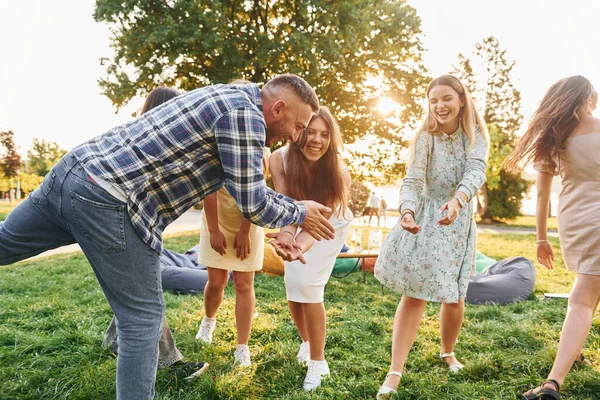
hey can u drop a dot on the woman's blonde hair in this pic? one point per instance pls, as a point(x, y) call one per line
point(323, 182)
point(470, 119)
point(553, 123)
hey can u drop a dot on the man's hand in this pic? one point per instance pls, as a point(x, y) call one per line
point(315, 223)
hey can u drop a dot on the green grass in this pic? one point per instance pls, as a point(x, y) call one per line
point(526, 221)
point(5, 208)
point(53, 316)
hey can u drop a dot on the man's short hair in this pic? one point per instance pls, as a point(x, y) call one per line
point(300, 87)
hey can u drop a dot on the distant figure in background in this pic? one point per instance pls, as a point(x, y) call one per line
point(382, 208)
point(373, 207)
point(563, 138)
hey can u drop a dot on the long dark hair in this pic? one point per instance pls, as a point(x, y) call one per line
point(553, 123)
point(158, 96)
point(323, 182)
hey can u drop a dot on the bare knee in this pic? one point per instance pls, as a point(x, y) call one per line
point(216, 283)
point(243, 283)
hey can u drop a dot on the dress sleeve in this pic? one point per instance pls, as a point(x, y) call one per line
point(412, 186)
point(546, 165)
point(474, 176)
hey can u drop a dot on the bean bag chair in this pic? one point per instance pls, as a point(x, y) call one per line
point(507, 281)
point(272, 263)
point(482, 261)
point(344, 266)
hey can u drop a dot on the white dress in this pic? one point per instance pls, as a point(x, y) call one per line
point(305, 283)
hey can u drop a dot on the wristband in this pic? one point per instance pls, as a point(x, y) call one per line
point(289, 233)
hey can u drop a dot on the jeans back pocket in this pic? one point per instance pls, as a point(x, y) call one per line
point(102, 224)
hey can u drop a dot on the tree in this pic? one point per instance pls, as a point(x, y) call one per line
point(10, 159)
point(358, 197)
point(43, 156)
point(354, 52)
point(493, 88)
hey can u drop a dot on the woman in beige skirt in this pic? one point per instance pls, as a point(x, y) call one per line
point(563, 138)
point(229, 242)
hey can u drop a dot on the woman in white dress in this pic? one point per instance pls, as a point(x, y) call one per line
point(312, 169)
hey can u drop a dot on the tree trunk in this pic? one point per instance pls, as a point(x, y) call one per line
point(483, 206)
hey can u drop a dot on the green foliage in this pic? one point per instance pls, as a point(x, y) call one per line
point(53, 316)
point(43, 156)
point(29, 182)
point(505, 191)
point(358, 197)
point(335, 45)
point(488, 77)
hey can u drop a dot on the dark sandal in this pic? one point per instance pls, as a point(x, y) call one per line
point(541, 393)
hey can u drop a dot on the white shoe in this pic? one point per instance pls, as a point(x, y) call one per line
point(207, 327)
point(242, 356)
point(317, 370)
point(386, 392)
point(454, 368)
point(304, 353)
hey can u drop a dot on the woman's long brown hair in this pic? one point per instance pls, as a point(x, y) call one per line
point(553, 123)
point(158, 96)
point(323, 182)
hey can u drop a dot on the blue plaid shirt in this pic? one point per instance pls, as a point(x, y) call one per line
point(178, 153)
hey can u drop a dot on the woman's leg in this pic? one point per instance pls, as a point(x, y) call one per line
point(451, 319)
point(578, 321)
point(315, 323)
point(245, 302)
point(406, 325)
point(214, 289)
point(297, 311)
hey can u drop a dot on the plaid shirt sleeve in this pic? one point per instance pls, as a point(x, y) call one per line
point(240, 136)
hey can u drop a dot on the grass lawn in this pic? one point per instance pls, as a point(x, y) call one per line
point(526, 221)
point(5, 208)
point(53, 316)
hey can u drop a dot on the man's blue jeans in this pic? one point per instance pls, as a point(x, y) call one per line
point(67, 208)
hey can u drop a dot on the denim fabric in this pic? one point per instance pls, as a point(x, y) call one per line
point(69, 208)
point(168, 353)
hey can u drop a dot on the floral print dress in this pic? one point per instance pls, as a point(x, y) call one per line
point(436, 263)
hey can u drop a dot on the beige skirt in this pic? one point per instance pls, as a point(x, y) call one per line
point(230, 219)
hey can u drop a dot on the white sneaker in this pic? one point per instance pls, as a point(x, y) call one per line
point(242, 356)
point(317, 370)
point(304, 353)
point(207, 327)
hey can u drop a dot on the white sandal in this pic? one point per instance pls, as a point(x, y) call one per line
point(454, 368)
point(384, 391)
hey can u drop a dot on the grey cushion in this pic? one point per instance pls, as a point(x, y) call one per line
point(507, 281)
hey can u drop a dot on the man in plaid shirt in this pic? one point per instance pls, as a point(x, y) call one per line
point(115, 194)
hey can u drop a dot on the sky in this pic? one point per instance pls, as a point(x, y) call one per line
point(50, 54)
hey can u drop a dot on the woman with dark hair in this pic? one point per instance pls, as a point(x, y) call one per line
point(312, 168)
point(168, 355)
point(563, 138)
point(430, 254)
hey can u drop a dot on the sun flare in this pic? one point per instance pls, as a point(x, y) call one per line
point(387, 106)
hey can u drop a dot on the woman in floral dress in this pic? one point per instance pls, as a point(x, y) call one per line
point(430, 255)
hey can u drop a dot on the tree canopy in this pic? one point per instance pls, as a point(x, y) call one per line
point(488, 77)
point(354, 52)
